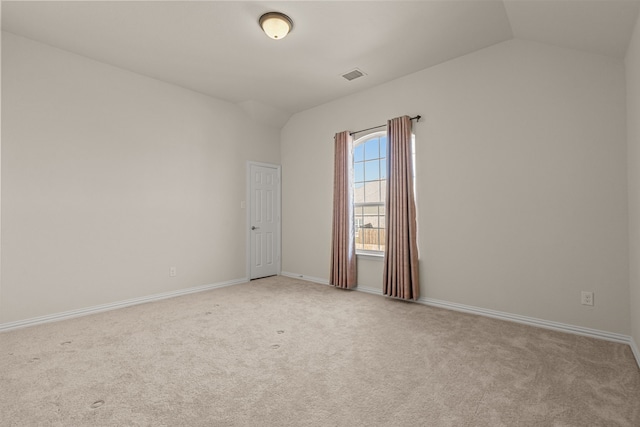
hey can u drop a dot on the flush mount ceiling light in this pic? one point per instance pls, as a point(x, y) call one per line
point(276, 25)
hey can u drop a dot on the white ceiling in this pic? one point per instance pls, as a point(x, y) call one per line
point(217, 47)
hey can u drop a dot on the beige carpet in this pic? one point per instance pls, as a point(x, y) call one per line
point(279, 351)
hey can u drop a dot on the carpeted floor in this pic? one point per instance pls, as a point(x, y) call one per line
point(279, 351)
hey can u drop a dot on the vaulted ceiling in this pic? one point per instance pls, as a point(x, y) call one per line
point(217, 48)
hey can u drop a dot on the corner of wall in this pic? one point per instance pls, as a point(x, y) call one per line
point(0, 172)
point(632, 68)
point(635, 351)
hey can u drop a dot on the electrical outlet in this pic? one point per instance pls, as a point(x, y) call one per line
point(587, 298)
point(172, 272)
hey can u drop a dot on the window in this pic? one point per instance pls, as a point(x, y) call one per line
point(369, 191)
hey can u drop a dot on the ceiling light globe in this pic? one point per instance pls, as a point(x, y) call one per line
point(276, 25)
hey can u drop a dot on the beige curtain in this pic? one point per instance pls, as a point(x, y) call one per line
point(401, 247)
point(343, 247)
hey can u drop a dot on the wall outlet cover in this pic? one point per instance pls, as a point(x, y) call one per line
point(586, 298)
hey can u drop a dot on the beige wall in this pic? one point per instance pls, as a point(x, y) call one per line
point(521, 178)
point(0, 163)
point(633, 137)
point(109, 178)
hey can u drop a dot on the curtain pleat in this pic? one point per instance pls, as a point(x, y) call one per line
point(343, 252)
point(401, 278)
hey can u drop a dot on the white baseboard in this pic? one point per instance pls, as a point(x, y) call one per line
point(112, 306)
point(303, 277)
point(531, 321)
point(326, 282)
point(364, 289)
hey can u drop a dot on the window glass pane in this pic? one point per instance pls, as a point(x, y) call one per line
point(370, 210)
point(357, 225)
point(371, 149)
point(358, 193)
point(370, 174)
point(358, 172)
point(371, 221)
point(377, 241)
point(370, 239)
point(372, 191)
point(358, 153)
point(372, 170)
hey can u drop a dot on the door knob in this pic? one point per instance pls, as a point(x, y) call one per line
point(253, 227)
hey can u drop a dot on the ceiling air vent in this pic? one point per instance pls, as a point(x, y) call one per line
point(354, 74)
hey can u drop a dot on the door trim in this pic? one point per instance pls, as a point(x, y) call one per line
point(248, 201)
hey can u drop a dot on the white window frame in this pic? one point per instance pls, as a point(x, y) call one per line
point(373, 254)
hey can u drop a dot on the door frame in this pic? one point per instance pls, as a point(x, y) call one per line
point(248, 205)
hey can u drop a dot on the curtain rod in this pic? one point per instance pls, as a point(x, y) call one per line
point(416, 118)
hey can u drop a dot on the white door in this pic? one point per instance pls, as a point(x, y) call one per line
point(264, 221)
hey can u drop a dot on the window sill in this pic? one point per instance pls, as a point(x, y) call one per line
point(375, 256)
